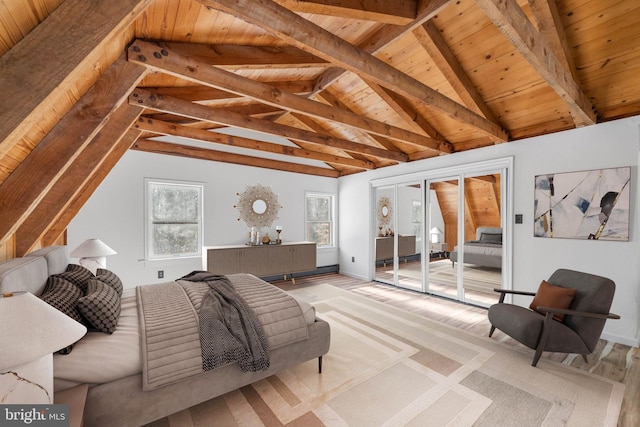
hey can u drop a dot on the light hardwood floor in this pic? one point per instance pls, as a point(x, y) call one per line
point(614, 361)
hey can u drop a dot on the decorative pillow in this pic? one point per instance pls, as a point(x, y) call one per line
point(110, 278)
point(491, 237)
point(101, 306)
point(64, 296)
point(78, 275)
point(549, 295)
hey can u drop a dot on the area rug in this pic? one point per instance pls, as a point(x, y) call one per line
point(388, 367)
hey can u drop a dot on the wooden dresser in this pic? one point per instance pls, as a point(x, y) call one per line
point(261, 260)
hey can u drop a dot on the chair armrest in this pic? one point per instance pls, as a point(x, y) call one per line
point(577, 313)
point(508, 291)
point(503, 292)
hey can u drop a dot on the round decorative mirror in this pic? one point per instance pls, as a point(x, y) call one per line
point(384, 212)
point(258, 206)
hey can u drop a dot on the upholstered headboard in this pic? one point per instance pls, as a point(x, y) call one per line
point(493, 234)
point(30, 272)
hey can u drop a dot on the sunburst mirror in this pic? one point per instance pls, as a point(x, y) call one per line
point(258, 206)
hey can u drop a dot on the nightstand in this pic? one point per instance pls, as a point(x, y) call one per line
point(75, 397)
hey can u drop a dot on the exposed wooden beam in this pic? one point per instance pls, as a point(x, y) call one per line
point(165, 128)
point(37, 71)
point(84, 192)
point(229, 118)
point(310, 37)
point(514, 24)
point(240, 159)
point(74, 180)
point(245, 57)
point(175, 62)
point(37, 174)
point(397, 12)
point(207, 93)
point(429, 37)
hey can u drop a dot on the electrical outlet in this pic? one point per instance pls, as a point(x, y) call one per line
point(160, 274)
point(353, 259)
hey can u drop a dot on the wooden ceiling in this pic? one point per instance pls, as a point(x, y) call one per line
point(345, 85)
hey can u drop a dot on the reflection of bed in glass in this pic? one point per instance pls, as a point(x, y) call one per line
point(485, 251)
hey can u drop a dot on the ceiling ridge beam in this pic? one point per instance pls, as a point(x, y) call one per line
point(310, 37)
point(151, 100)
point(166, 128)
point(159, 57)
point(168, 148)
point(514, 24)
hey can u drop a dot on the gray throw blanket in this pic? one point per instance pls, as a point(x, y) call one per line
point(229, 329)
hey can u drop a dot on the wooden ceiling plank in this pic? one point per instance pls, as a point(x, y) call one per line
point(514, 24)
point(221, 156)
point(305, 35)
point(397, 12)
point(162, 58)
point(37, 70)
point(39, 171)
point(74, 179)
point(430, 39)
point(165, 128)
point(83, 194)
point(229, 118)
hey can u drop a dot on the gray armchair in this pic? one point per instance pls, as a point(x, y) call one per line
point(581, 327)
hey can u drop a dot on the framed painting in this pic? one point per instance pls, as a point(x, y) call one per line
point(588, 205)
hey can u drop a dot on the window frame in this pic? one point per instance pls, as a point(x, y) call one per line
point(332, 221)
point(149, 221)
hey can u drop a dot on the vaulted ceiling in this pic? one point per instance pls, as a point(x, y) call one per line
point(322, 87)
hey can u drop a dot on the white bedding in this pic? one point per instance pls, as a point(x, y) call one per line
point(99, 358)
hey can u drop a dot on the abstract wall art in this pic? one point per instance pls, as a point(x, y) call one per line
point(589, 205)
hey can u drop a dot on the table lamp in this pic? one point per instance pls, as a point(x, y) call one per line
point(435, 234)
point(92, 254)
point(31, 331)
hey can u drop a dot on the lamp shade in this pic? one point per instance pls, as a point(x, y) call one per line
point(31, 329)
point(92, 248)
point(435, 234)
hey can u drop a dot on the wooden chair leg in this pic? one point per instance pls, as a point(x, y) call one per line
point(584, 357)
point(320, 364)
point(543, 338)
point(493, 328)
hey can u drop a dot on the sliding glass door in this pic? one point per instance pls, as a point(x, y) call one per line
point(398, 236)
point(444, 231)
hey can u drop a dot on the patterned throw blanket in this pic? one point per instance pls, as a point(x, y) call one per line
point(229, 329)
point(170, 315)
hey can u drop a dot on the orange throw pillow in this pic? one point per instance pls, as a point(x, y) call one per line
point(549, 295)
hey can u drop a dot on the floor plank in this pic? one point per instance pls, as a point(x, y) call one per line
point(611, 360)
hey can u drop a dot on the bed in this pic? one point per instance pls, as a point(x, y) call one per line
point(146, 367)
point(485, 251)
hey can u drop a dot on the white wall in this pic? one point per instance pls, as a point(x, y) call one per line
point(115, 212)
point(606, 145)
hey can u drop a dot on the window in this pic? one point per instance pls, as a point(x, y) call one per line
point(174, 219)
point(416, 218)
point(319, 219)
